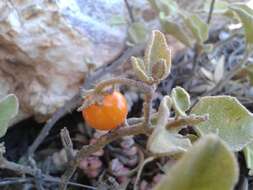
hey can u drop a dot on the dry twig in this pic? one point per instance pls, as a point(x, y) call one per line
point(67, 143)
point(210, 12)
point(100, 143)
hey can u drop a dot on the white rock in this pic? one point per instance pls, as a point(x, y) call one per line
point(44, 45)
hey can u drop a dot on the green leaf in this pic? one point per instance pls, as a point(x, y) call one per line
point(157, 50)
point(220, 7)
point(168, 7)
point(157, 60)
point(181, 100)
point(160, 70)
point(176, 30)
point(8, 110)
point(228, 118)
point(198, 28)
point(137, 32)
point(208, 165)
point(246, 16)
point(117, 20)
point(139, 69)
point(219, 69)
point(248, 154)
point(163, 141)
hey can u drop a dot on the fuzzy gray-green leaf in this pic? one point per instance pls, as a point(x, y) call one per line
point(160, 70)
point(198, 28)
point(8, 109)
point(137, 32)
point(181, 100)
point(163, 141)
point(246, 16)
point(208, 165)
point(139, 69)
point(228, 118)
point(168, 7)
point(157, 50)
point(176, 30)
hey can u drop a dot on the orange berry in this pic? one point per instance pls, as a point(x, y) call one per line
point(110, 114)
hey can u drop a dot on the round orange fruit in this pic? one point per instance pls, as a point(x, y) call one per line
point(108, 115)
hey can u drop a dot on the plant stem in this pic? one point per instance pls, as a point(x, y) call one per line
point(129, 82)
point(147, 107)
point(16, 180)
point(69, 105)
point(210, 12)
point(100, 143)
point(146, 161)
point(187, 120)
point(5, 164)
point(22, 169)
point(129, 10)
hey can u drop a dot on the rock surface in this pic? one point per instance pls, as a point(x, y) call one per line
point(47, 47)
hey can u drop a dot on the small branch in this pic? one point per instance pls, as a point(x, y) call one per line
point(100, 143)
point(5, 164)
point(75, 101)
point(195, 60)
point(58, 180)
point(187, 120)
point(67, 143)
point(38, 184)
point(129, 82)
point(129, 52)
point(210, 12)
point(136, 120)
point(69, 105)
point(12, 181)
point(173, 123)
point(146, 161)
point(17, 180)
point(147, 107)
point(129, 10)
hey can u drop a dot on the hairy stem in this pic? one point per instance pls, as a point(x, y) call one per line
point(129, 82)
point(100, 143)
point(187, 120)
